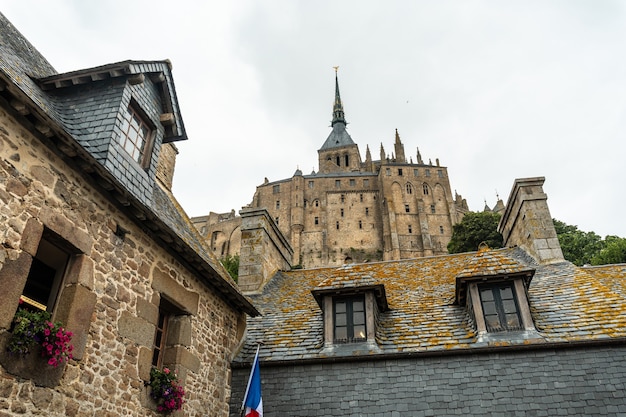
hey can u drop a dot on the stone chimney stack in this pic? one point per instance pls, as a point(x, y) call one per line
point(527, 223)
point(166, 164)
point(264, 250)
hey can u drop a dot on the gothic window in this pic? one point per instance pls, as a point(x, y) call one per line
point(349, 320)
point(136, 137)
point(409, 189)
point(425, 188)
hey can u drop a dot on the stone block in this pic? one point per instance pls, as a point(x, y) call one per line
point(31, 236)
point(74, 309)
point(12, 281)
point(174, 292)
point(66, 229)
point(80, 271)
point(147, 311)
point(179, 355)
point(179, 331)
point(137, 329)
point(144, 363)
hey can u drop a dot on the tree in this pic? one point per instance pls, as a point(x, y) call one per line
point(231, 263)
point(578, 247)
point(474, 229)
point(614, 252)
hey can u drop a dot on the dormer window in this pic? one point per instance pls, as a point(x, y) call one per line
point(350, 311)
point(499, 305)
point(349, 320)
point(136, 137)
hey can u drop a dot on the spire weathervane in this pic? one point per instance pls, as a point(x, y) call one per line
point(336, 69)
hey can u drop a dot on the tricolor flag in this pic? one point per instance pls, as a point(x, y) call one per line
point(252, 399)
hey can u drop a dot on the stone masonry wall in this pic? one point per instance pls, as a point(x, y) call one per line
point(574, 382)
point(109, 377)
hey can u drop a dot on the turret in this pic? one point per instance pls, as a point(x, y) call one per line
point(399, 149)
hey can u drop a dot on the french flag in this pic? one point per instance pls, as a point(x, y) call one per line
point(252, 400)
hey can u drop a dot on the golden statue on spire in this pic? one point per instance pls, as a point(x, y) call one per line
point(336, 69)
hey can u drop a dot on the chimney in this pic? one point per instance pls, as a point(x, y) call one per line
point(264, 250)
point(527, 223)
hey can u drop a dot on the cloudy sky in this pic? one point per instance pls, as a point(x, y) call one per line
point(495, 90)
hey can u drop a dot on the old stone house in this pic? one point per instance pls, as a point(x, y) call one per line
point(90, 231)
point(350, 209)
point(516, 331)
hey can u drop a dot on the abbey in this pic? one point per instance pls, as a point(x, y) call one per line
point(352, 210)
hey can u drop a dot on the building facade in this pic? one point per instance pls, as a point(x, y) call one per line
point(353, 210)
point(511, 331)
point(91, 233)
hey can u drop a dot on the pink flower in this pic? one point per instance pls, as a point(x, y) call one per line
point(46, 332)
point(166, 370)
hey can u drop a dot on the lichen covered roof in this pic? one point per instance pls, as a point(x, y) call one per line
point(567, 304)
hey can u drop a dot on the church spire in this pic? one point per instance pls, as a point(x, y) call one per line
point(338, 115)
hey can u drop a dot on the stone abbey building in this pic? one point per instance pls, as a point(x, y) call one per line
point(352, 210)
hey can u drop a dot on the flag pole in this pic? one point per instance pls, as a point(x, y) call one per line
point(245, 396)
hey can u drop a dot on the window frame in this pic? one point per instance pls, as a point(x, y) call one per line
point(134, 112)
point(500, 310)
point(350, 314)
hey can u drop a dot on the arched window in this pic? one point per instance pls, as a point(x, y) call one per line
point(338, 161)
point(409, 189)
point(425, 189)
point(347, 158)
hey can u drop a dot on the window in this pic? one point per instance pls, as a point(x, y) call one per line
point(360, 224)
point(347, 160)
point(337, 183)
point(409, 189)
point(136, 138)
point(366, 183)
point(352, 182)
point(337, 225)
point(410, 229)
point(416, 173)
point(427, 172)
point(341, 211)
point(311, 184)
point(317, 220)
point(277, 204)
point(440, 173)
point(45, 276)
point(400, 171)
point(407, 209)
point(343, 198)
point(361, 198)
point(367, 211)
point(276, 220)
point(317, 203)
point(441, 230)
point(276, 189)
point(500, 307)
point(349, 320)
point(338, 161)
point(432, 208)
point(388, 171)
point(425, 188)
point(166, 324)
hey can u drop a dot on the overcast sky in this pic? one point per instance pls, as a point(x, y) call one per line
point(495, 90)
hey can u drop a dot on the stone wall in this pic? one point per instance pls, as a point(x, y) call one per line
point(576, 382)
point(109, 297)
point(166, 164)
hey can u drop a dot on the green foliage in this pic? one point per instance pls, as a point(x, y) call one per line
point(28, 327)
point(578, 247)
point(474, 229)
point(231, 263)
point(614, 252)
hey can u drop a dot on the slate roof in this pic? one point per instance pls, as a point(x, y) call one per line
point(31, 80)
point(568, 304)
